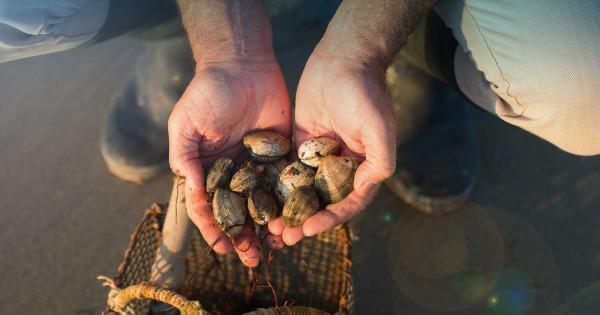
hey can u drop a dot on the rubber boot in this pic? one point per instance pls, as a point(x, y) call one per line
point(134, 140)
point(437, 155)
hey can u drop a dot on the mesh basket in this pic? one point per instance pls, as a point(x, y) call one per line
point(314, 273)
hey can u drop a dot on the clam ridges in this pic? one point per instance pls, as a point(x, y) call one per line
point(229, 210)
point(293, 176)
point(262, 206)
point(335, 178)
point(300, 205)
point(219, 174)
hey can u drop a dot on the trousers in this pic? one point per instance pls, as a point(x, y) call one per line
point(535, 64)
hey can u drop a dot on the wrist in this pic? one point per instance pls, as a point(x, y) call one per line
point(237, 63)
point(227, 31)
point(360, 54)
point(231, 56)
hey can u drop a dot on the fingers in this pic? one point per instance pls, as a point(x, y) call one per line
point(288, 235)
point(325, 219)
point(247, 245)
point(276, 226)
point(185, 162)
point(292, 235)
point(379, 138)
point(200, 210)
point(275, 242)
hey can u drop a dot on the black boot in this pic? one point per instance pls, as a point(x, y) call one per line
point(437, 157)
point(134, 141)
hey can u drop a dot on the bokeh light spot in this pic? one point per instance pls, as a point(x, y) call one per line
point(513, 294)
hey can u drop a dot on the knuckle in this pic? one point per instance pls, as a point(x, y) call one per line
point(387, 170)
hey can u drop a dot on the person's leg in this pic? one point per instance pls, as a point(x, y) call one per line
point(437, 156)
point(533, 63)
point(134, 141)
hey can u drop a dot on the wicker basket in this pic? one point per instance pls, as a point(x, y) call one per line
point(314, 273)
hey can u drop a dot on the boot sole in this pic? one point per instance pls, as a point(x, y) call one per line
point(427, 204)
point(132, 173)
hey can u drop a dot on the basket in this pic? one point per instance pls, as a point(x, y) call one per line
point(314, 274)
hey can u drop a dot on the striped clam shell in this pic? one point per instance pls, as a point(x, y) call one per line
point(293, 176)
point(300, 205)
point(229, 210)
point(219, 174)
point(246, 178)
point(335, 178)
point(262, 206)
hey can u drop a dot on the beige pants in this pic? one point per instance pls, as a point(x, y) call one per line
point(533, 63)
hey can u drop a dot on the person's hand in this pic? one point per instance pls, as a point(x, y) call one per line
point(347, 100)
point(223, 102)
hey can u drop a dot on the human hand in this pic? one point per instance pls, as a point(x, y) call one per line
point(345, 99)
point(223, 102)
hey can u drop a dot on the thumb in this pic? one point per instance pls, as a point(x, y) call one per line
point(368, 177)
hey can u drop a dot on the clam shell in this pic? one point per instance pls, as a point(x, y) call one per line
point(271, 174)
point(335, 178)
point(300, 205)
point(219, 174)
point(312, 150)
point(246, 178)
point(266, 145)
point(293, 176)
point(262, 206)
point(229, 210)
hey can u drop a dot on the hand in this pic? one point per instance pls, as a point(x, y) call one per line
point(345, 99)
point(223, 102)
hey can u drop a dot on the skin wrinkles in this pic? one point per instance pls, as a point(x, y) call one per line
point(341, 94)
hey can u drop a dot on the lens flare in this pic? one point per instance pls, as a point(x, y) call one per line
point(584, 302)
point(513, 294)
point(446, 263)
point(529, 281)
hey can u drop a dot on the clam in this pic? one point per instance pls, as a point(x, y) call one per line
point(262, 206)
point(271, 173)
point(229, 210)
point(300, 205)
point(246, 178)
point(267, 145)
point(219, 174)
point(312, 150)
point(335, 178)
point(293, 176)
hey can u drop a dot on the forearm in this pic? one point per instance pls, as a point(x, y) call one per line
point(372, 31)
point(227, 30)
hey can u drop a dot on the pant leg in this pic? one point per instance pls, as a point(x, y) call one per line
point(535, 64)
point(155, 19)
point(28, 30)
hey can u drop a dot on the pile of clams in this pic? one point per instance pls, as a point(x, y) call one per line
point(268, 185)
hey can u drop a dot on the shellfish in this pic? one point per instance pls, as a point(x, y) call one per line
point(300, 205)
point(246, 178)
point(219, 174)
point(271, 173)
point(262, 206)
point(229, 210)
point(266, 145)
point(293, 176)
point(335, 178)
point(312, 150)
